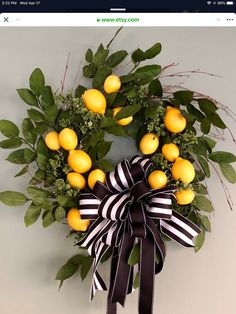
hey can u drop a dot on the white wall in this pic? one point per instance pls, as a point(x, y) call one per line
point(190, 283)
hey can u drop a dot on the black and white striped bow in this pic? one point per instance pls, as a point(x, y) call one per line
point(125, 211)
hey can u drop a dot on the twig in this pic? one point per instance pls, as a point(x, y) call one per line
point(76, 76)
point(225, 189)
point(188, 73)
point(65, 72)
point(117, 32)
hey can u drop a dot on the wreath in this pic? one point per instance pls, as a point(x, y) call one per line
point(128, 211)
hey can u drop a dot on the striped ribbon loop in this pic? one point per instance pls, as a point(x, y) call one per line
point(123, 210)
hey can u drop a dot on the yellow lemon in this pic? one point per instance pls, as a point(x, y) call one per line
point(95, 101)
point(79, 161)
point(76, 180)
point(124, 121)
point(157, 179)
point(149, 143)
point(183, 170)
point(94, 176)
point(52, 140)
point(170, 152)
point(184, 197)
point(174, 121)
point(68, 139)
point(112, 84)
point(75, 222)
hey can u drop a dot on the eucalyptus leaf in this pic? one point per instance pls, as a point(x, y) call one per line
point(8, 128)
point(27, 96)
point(37, 82)
point(32, 214)
point(12, 198)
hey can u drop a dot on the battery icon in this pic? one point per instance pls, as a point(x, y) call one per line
point(229, 2)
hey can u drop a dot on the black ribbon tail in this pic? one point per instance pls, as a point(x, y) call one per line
point(112, 307)
point(123, 271)
point(147, 274)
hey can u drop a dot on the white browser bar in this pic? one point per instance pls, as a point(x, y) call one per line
point(116, 19)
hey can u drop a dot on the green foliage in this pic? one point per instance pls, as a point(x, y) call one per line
point(228, 172)
point(202, 203)
point(185, 97)
point(11, 198)
point(27, 96)
point(37, 82)
point(199, 241)
point(134, 255)
point(11, 143)
point(27, 130)
point(222, 157)
point(100, 76)
point(116, 58)
point(127, 111)
point(8, 129)
point(32, 214)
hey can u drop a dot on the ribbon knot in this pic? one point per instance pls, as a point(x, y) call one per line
point(125, 211)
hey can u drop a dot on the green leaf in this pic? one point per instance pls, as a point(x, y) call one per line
point(66, 271)
point(27, 130)
point(17, 157)
point(32, 214)
point(48, 219)
point(29, 155)
point(222, 157)
point(11, 198)
point(37, 192)
point(100, 76)
point(41, 127)
point(43, 202)
point(199, 176)
point(216, 120)
point(105, 165)
point(103, 148)
point(200, 188)
point(27, 96)
point(188, 116)
point(89, 56)
point(42, 161)
point(202, 203)
point(60, 213)
point(205, 126)
point(185, 97)
point(199, 241)
point(79, 91)
point(38, 177)
point(87, 262)
point(107, 255)
point(116, 130)
point(89, 70)
point(204, 165)
point(37, 82)
point(134, 256)
point(200, 148)
point(195, 112)
point(65, 201)
point(116, 58)
point(50, 108)
point(11, 143)
point(23, 171)
point(107, 122)
point(206, 223)
point(35, 115)
point(210, 142)
point(42, 147)
point(155, 88)
point(148, 71)
point(138, 55)
point(133, 127)
point(100, 56)
point(95, 138)
point(128, 111)
point(153, 51)
point(8, 129)
point(136, 281)
point(228, 172)
point(207, 106)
